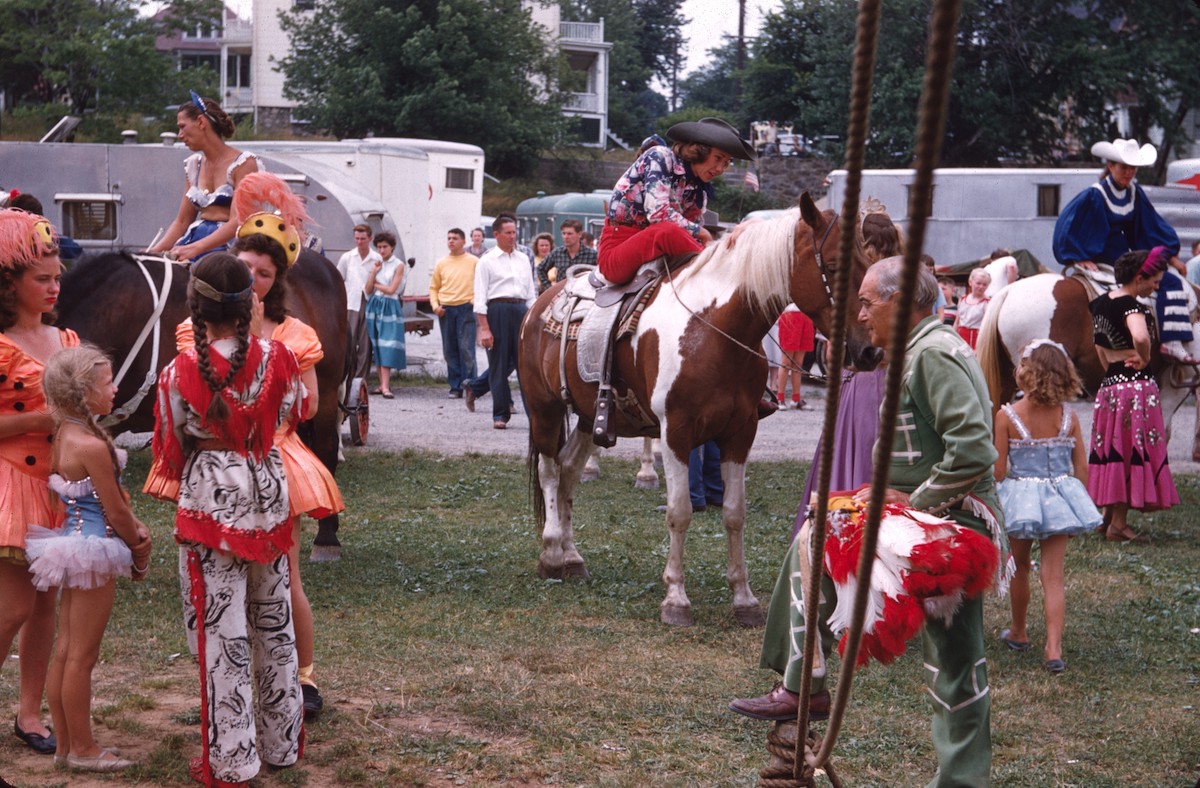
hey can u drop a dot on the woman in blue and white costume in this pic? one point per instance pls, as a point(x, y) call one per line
point(1114, 216)
point(212, 173)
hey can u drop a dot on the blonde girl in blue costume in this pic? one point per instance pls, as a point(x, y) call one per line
point(100, 540)
point(1042, 474)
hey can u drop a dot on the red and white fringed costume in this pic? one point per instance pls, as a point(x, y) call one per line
point(924, 566)
point(234, 523)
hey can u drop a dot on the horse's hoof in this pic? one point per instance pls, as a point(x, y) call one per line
point(575, 571)
point(646, 484)
point(547, 572)
point(750, 617)
point(322, 554)
point(590, 475)
point(675, 616)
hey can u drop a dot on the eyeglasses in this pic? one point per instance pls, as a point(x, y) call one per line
point(864, 303)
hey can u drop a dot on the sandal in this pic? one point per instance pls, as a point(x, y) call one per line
point(1127, 535)
point(1013, 645)
point(388, 394)
point(1055, 666)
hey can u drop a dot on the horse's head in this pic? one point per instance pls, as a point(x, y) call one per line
point(816, 256)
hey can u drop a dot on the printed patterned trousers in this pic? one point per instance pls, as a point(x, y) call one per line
point(249, 677)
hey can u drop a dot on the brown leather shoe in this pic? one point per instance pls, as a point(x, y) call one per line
point(781, 704)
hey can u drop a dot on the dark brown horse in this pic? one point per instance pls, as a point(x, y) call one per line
point(110, 299)
point(694, 367)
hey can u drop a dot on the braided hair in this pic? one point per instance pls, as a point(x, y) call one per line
point(230, 277)
point(70, 376)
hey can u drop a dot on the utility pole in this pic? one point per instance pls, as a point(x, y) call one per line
point(741, 54)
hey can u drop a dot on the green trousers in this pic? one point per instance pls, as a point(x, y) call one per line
point(955, 669)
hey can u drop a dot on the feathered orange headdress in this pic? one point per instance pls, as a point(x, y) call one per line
point(264, 204)
point(25, 238)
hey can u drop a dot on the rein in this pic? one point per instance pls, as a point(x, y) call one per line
point(152, 328)
point(821, 267)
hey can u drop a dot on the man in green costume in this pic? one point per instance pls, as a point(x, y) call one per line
point(941, 462)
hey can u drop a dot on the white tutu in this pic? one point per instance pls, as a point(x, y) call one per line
point(74, 561)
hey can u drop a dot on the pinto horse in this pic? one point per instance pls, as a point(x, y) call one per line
point(693, 366)
point(112, 299)
point(1053, 306)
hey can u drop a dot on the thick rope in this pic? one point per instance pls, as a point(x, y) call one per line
point(866, 37)
point(781, 774)
point(932, 121)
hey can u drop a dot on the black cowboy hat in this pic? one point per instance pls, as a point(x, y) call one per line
point(714, 132)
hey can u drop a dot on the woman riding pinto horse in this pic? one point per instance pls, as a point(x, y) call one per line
point(693, 368)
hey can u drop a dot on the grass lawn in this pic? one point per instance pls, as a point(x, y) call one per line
point(444, 660)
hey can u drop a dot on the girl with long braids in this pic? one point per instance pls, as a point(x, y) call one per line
point(219, 406)
point(30, 275)
point(100, 539)
point(269, 244)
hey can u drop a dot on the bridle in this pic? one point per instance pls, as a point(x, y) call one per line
point(817, 252)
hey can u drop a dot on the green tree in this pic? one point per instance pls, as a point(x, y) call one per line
point(714, 85)
point(96, 54)
point(1033, 80)
point(474, 71)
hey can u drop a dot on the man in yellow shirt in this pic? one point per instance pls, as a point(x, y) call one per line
point(451, 293)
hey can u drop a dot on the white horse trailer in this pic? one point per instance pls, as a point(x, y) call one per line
point(121, 196)
point(428, 187)
point(977, 210)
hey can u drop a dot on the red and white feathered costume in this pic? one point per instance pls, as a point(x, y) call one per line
point(924, 566)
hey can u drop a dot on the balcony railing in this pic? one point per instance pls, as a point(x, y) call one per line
point(237, 31)
point(582, 102)
point(585, 32)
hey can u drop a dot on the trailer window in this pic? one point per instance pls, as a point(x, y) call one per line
point(459, 178)
point(1048, 199)
point(90, 221)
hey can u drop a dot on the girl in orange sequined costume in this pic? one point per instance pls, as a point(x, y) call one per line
point(30, 275)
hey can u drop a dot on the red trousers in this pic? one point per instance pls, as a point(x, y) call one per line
point(623, 249)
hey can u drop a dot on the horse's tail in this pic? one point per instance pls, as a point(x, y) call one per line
point(535, 486)
point(990, 350)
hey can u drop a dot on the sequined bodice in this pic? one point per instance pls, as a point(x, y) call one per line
point(85, 516)
point(1040, 458)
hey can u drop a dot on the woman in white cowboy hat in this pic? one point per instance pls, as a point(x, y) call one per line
point(1114, 216)
point(658, 205)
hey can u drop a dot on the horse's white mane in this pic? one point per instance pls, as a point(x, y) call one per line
point(759, 265)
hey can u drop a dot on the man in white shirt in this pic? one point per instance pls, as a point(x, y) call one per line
point(503, 292)
point(355, 266)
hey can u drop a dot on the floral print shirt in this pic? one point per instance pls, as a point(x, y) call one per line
point(659, 187)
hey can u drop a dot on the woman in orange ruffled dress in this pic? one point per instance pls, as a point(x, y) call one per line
point(268, 240)
point(30, 277)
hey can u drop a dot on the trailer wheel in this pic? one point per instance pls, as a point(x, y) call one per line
point(358, 406)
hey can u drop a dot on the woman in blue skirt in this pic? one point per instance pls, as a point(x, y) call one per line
point(385, 315)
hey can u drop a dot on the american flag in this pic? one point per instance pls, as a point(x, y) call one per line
point(750, 180)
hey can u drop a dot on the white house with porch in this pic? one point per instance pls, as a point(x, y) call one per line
point(246, 53)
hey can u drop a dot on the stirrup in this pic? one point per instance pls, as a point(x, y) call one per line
point(604, 434)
